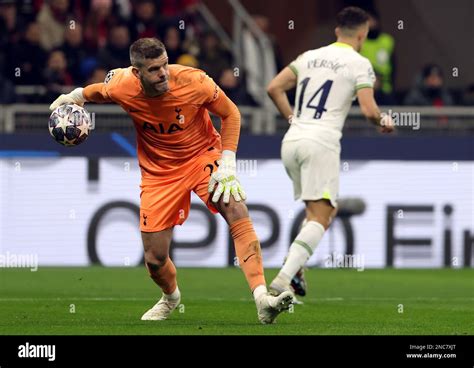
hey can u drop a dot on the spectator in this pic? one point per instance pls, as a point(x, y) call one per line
point(260, 67)
point(116, 53)
point(98, 76)
point(181, 14)
point(143, 20)
point(379, 49)
point(263, 22)
point(213, 58)
point(97, 24)
point(232, 87)
point(75, 52)
point(429, 90)
point(27, 59)
point(172, 41)
point(56, 75)
point(53, 19)
point(11, 24)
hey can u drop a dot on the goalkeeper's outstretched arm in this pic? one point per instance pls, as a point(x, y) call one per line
point(92, 93)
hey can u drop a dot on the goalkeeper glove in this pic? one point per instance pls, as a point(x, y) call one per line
point(226, 179)
point(75, 97)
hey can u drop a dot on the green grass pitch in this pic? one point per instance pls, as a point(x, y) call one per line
point(104, 301)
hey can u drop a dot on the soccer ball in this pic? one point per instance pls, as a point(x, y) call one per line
point(70, 125)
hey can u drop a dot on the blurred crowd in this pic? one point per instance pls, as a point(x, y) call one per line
point(63, 43)
point(58, 44)
point(429, 88)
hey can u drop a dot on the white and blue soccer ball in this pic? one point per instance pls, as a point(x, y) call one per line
point(70, 125)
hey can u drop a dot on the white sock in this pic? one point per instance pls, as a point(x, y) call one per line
point(259, 290)
point(174, 295)
point(301, 249)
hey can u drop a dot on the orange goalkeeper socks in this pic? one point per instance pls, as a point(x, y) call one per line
point(247, 249)
point(164, 276)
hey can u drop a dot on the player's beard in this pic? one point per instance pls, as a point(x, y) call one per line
point(162, 86)
point(155, 89)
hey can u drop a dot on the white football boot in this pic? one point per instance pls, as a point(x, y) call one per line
point(161, 310)
point(269, 306)
point(277, 288)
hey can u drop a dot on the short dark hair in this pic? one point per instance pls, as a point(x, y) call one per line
point(351, 18)
point(145, 48)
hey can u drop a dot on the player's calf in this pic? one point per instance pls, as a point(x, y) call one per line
point(320, 211)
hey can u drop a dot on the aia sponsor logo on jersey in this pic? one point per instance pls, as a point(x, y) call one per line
point(160, 128)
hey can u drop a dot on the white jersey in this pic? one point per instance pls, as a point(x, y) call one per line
point(328, 79)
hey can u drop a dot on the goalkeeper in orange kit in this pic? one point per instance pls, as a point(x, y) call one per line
point(180, 151)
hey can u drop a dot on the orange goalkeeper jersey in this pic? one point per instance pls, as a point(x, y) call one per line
point(174, 127)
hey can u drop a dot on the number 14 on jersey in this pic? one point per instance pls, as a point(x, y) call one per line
point(320, 107)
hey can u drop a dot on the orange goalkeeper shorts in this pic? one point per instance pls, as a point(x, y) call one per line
point(165, 201)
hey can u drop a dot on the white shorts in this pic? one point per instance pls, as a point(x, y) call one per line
point(313, 168)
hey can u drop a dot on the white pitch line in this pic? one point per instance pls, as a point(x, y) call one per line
point(391, 299)
point(102, 299)
point(333, 299)
point(71, 298)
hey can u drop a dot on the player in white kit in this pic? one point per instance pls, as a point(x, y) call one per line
point(327, 80)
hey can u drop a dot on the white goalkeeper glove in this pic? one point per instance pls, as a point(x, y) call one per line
point(226, 179)
point(75, 97)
